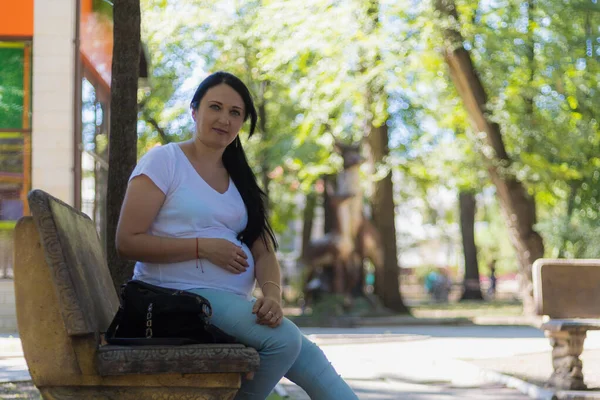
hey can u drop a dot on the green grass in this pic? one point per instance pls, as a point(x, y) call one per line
point(19, 390)
point(467, 309)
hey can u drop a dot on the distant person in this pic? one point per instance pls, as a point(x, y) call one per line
point(438, 285)
point(195, 219)
point(493, 280)
point(444, 286)
point(430, 282)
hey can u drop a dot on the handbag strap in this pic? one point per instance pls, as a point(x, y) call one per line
point(112, 329)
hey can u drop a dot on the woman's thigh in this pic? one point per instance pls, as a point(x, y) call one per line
point(233, 314)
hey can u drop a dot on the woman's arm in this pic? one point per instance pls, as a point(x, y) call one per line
point(142, 202)
point(267, 270)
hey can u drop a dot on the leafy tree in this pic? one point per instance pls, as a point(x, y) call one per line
point(517, 203)
point(382, 201)
point(502, 50)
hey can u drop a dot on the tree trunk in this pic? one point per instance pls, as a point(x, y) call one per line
point(327, 212)
point(307, 223)
point(387, 281)
point(122, 147)
point(262, 124)
point(517, 205)
point(471, 287)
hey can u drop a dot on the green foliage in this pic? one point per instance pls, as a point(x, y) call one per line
point(539, 64)
point(492, 237)
point(104, 7)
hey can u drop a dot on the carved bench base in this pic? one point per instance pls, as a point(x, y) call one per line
point(567, 346)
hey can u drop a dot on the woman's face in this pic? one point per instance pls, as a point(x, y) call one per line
point(219, 116)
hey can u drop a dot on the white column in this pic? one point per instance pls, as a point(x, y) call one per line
point(53, 98)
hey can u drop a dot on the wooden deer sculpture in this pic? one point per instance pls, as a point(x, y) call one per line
point(352, 238)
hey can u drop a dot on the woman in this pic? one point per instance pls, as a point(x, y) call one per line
point(194, 218)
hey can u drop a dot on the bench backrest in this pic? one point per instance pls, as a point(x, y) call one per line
point(564, 288)
point(73, 251)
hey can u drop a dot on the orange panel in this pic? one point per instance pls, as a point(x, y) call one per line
point(16, 18)
point(86, 7)
point(96, 38)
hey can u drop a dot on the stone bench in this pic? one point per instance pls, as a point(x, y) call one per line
point(567, 293)
point(66, 300)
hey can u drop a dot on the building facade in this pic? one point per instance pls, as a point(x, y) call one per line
point(55, 60)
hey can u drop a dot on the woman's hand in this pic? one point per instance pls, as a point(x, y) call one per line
point(224, 254)
point(268, 312)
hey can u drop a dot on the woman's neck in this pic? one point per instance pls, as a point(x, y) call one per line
point(205, 155)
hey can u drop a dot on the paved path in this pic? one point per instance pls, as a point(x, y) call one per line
point(395, 390)
point(13, 367)
point(439, 362)
point(417, 362)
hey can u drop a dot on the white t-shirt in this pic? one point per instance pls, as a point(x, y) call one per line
point(192, 208)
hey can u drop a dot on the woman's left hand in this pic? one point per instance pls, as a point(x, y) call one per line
point(268, 312)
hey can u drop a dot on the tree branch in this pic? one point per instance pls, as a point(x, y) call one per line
point(164, 136)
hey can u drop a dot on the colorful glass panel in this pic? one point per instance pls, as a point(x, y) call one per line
point(11, 85)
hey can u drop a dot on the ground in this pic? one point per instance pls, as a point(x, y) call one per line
point(412, 362)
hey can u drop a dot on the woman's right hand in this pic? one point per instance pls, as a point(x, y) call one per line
point(224, 254)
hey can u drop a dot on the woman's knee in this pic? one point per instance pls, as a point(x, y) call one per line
point(286, 339)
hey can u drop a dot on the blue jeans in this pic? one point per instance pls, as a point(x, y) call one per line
point(283, 350)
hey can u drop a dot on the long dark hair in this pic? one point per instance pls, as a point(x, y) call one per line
point(234, 159)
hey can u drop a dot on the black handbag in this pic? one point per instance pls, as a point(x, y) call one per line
point(153, 315)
